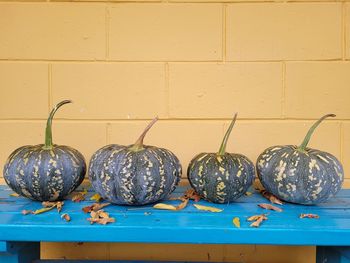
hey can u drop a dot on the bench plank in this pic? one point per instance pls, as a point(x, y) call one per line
point(146, 224)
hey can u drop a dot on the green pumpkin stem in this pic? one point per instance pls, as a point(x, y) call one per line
point(222, 149)
point(48, 133)
point(307, 138)
point(138, 145)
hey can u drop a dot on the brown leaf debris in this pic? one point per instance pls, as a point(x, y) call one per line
point(270, 207)
point(309, 216)
point(258, 219)
point(94, 207)
point(273, 199)
point(100, 217)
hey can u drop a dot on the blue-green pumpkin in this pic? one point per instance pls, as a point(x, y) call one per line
point(45, 172)
point(137, 174)
point(299, 174)
point(221, 177)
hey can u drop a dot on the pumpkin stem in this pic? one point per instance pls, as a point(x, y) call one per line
point(222, 149)
point(48, 133)
point(311, 130)
point(138, 145)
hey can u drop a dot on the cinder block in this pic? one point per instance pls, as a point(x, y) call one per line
point(317, 88)
point(284, 31)
point(60, 31)
point(347, 28)
point(209, 90)
point(86, 137)
point(111, 91)
point(24, 90)
point(346, 149)
point(170, 32)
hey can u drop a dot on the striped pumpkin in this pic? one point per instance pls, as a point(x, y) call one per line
point(136, 174)
point(221, 177)
point(299, 174)
point(45, 172)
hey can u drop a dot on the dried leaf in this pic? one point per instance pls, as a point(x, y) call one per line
point(236, 222)
point(94, 207)
point(57, 204)
point(101, 221)
point(27, 212)
point(253, 218)
point(79, 196)
point(248, 193)
point(96, 197)
point(273, 199)
point(270, 207)
point(43, 210)
point(164, 206)
point(100, 217)
point(309, 216)
point(192, 194)
point(65, 217)
point(14, 195)
point(48, 204)
point(207, 208)
point(258, 219)
point(257, 222)
point(103, 214)
point(182, 205)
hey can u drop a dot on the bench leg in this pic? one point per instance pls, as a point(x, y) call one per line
point(330, 254)
point(19, 252)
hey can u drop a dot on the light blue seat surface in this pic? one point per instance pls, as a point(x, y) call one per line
point(330, 233)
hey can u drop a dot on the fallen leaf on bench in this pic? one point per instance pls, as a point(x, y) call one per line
point(270, 207)
point(258, 219)
point(43, 210)
point(66, 217)
point(273, 199)
point(248, 193)
point(96, 197)
point(57, 204)
point(101, 221)
point(14, 195)
point(181, 206)
point(79, 196)
point(100, 217)
point(94, 207)
point(27, 212)
point(207, 208)
point(236, 222)
point(309, 216)
point(192, 194)
point(164, 206)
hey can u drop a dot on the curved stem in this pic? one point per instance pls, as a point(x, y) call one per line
point(227, 135)
point(138, 145)
point(48, 132)
point(311, 130)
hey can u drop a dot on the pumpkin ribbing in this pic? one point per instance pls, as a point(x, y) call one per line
point(45, 172)
point(137, 174)
point(299, 174)
point(221, 177)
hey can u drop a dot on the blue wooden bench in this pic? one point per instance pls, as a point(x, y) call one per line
point(20, 235)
